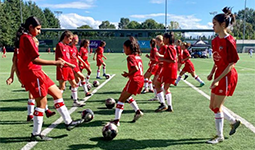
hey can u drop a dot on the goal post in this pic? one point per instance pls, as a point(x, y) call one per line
point(246, 49)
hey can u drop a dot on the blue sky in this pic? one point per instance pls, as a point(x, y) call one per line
point(191, 14)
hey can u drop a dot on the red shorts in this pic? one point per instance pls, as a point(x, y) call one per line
point(82, 66)
point(100, 61)
point(165, 76)
point(76, 69)
point(159, 69)
point(65, 73)
point(36, 82)
point(134, 86)
point(188, 68)
point(153, 69)
point(226, 85)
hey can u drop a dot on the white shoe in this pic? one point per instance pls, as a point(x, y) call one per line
point(78, 104)
point(215, 140)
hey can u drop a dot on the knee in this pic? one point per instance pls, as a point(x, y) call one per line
point(215, 110)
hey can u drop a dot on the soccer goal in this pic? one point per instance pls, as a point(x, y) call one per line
point(246, 49)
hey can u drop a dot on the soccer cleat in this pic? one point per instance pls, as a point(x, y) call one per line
point(154, 99)
point(39, 137)
point(74, 124)
point(161, 107)
point(116, 122)
point(78, 104)
point(137, 115)
point(30, 117)
point(49, 113)
point(175, 84)
point(88, 94)
point(185, 77)
point(215, 140)
point(202, 84)
point(98, 78)
point(104, 74)
point(169, 109)
point(151, 91)
point(145, 91)
point(234, 126)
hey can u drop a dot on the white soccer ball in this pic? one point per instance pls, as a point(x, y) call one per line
point(110, 103)
point(110, 131)
point(107, 76)
point(87, 115)
point(89, 86)
point(96, 83)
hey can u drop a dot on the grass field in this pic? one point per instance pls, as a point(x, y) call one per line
point(187, 128)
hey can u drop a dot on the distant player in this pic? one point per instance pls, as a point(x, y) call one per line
point(153, 67)
point(99, 54)
point(79, 77)
point(189, 67)
point(4, 52)
point(180, 55)
point(35, 80)
point(65, 73)
point(135, 83)
point(225, 76)
point(250, 51)
point(167, 74)
point(83, 52)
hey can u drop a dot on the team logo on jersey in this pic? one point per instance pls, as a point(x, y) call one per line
point(64, 50)
point(216, 56)
point(221, 48)
point(220, 91)
point(68, 55)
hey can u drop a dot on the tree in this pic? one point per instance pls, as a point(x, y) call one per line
point(123, 23)
point(84, 27)
point(133, 25)
point(106, 25)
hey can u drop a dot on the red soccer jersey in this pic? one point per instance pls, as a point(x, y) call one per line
point(170, 54)
point(84, 53)
point(73, 55)
point(132, 62)
point(224, 52)
point(162, 49)
point(62, 51)
point(100, 51)
point(4, 50)
point(27, 52)
point(185, 54)
point(154, 56)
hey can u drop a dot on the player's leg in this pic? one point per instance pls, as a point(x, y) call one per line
point(146, 82)
point(133, 104)
point(98, 72)
point(168, 97)
point(74, 90)
point(160, 95)
point(104, 68)
point(179, 77)
point(83, 83)
point(196, 77)
point(62, 85)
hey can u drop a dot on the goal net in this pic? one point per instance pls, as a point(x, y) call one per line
point(246, 49)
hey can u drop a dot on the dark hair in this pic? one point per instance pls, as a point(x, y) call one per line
point(24, 28)
point(170, 36)
point(153, 43)
point(83, 43)
point(102, 43)
point(133, 46)
point(226, 17)
point(66, 33)
point(186, 44)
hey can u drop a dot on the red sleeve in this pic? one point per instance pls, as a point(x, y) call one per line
point(31, 49)
point(232, 54)
point(58, 52)
point(186, 53)
point(171, 53)
point(131, 61)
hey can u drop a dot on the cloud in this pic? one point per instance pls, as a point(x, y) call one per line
point(83, 4)
point(72, 21)
point(157, 1)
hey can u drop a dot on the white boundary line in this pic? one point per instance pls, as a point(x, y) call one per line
point(244, 122)
point(46, 131)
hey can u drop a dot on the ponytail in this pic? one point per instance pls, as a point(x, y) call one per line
point(226, 17)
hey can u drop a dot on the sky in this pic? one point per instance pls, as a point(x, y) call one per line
point(191, 14)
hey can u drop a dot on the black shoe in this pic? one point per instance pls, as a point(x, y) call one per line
point(185, 77)
point(104, 74)
point(234, 127)
point(145, 91)
point(169, 109)
point(39, 137)
point(161, 108)
point(74, 124)
point(116, 122)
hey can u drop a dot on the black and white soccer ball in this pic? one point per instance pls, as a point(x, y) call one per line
point(89, 86)
point(107, 76)
point(110, 131)
point(87, 115)
point(110, 103)
point(96, 83)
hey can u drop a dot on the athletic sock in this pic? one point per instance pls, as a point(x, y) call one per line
point(87, 79)
point(169, 98)
point(84, 85)
point(146, 83)
point(228, 116)
point(38, 120)
point(133, 103)
point(61, 108)
point(30, 106)
point(150, 85)
point(119, 110)
point(198, 79)
point(74, 93)
point(98, 73)
point(178, 79)
point(160, 95)
point(219, 121)
point(104, 69)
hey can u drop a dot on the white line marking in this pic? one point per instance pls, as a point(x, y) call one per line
point(46, 131)
point(244, 122)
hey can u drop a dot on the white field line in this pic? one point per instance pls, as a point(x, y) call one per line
point(244, 122)
point(46, 131)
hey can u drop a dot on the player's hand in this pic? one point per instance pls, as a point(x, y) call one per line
point(214, 84)
point(60, 63)
point(124, 74)
point(209, 77)
point(93, 58)
point(147, 55)
point(9, 81)
point(105, 58)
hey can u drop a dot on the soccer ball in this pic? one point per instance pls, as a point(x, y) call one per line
point(87, 115)
point(110, 103)
point(96, 83)
point(109, 131)
point(89, 86)
point(107, 76)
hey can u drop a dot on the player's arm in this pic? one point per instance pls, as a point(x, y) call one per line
point(210, 76)
point(82, 61)
point(94, 57)
point(40, 61)
point(126, 74)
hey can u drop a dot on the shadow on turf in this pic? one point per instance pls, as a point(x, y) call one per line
point(13, 122)
point(136, 144)
point(25, 139)
point(14, 108)
point(14, 100)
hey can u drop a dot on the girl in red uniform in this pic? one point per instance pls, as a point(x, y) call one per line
point(4, 52)
point(35, 80)
point(65, 73)
point(79, 77)
point(100, 55)
point(225, 76)
point(84, 55)
point(135, 83)
point(167, 74)
point(180, 54)
point(189, 67)
point(153, 67)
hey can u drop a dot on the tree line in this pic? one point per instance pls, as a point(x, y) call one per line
point(10, 20)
